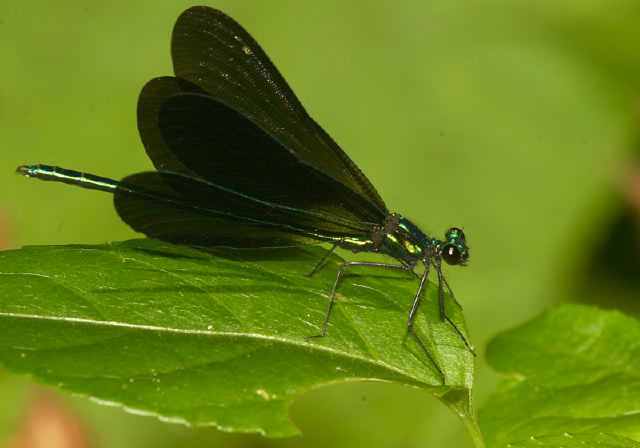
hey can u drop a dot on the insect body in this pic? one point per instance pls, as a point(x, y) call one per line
point(240, 163)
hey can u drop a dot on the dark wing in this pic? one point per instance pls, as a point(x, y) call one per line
point(213, 52)
point(181, 209)
point(150, 101)
point(222, 146)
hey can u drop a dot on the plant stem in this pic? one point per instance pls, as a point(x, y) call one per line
point(461, 402)
point(474, 432)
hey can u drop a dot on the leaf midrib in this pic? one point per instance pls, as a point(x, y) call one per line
point(194, 332)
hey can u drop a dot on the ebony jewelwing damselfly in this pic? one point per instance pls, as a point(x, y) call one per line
point(241, 164)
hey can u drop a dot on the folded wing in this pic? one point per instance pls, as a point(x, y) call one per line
point(213, 52)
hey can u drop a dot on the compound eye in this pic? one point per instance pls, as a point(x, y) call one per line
point(451, 254)
point(454, 232)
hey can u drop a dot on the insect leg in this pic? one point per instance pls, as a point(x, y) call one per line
point(443, 314)
point(322, 261)
point(446, 284)
point(412, 318)
point(344, 265)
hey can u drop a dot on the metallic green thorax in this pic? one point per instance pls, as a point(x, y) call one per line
point(403, 240)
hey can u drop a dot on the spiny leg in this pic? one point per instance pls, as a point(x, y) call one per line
point(344, 265)
point(412, 318)
point(438, 267)
point(453, 297)
point(322, 261)
point(443, 314)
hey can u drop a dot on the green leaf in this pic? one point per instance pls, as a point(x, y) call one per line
point(216, 339)
point(576, 441)
point(574, 380)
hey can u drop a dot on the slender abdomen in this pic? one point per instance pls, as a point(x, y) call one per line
point(72, 177)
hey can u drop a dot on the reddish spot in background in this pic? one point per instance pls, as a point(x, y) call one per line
point(48, 424)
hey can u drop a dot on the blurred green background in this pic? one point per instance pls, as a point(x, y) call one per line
point(514, 120)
